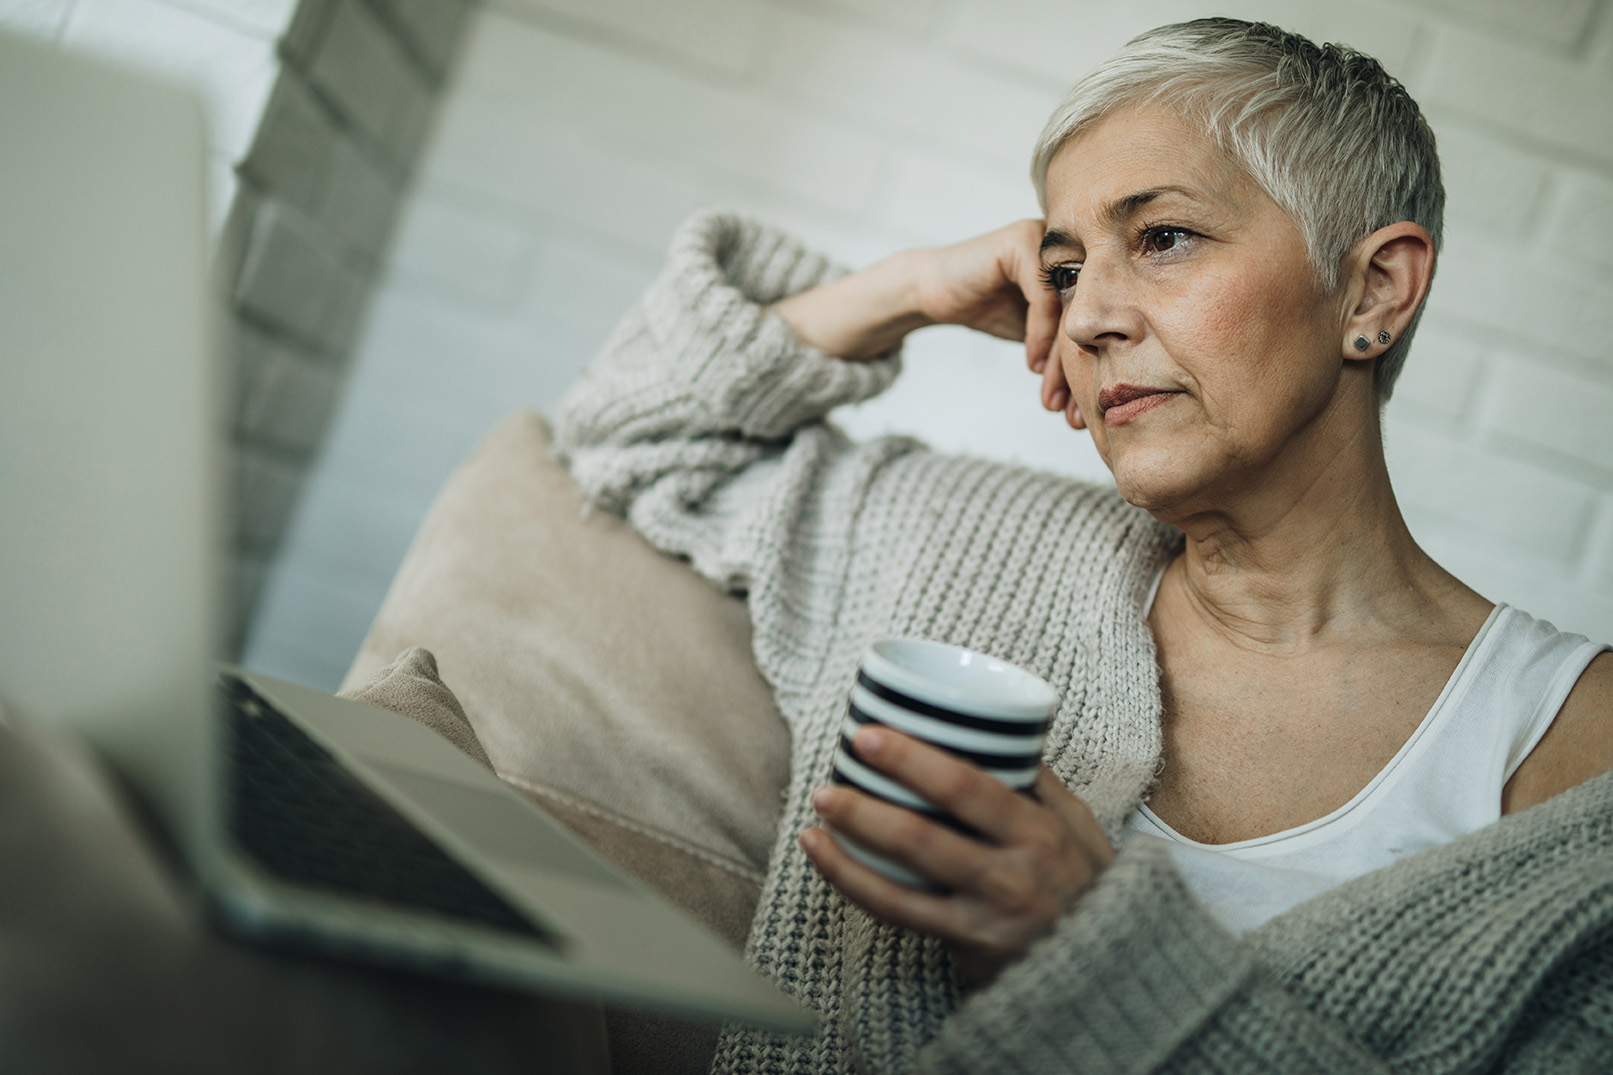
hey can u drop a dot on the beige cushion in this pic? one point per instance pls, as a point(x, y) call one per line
point(410, 685)
point(721, 897)
point(608, 682)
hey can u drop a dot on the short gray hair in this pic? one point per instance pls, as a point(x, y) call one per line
point(1324, 130)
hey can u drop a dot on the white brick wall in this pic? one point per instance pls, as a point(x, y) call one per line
point(581, 131)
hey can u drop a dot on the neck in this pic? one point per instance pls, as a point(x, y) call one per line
point(1310, 552)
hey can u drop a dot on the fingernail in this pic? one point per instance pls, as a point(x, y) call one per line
point(1061, 399)
point(809, 840)
point(820, 799)
point(1039, 365)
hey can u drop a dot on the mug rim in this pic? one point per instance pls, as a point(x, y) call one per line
point(1027, 697)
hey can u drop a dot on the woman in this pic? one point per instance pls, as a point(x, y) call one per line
point(1377, 834)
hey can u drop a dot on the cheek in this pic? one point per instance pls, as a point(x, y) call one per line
point(1246, 338)
point(1221, 314)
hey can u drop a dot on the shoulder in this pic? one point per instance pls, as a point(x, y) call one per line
point(1578, 745)
point(1005, 503)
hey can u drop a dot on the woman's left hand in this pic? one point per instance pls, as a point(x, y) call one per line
point(1037, 856)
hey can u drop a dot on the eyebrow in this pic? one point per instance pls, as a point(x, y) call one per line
point(1114, 213)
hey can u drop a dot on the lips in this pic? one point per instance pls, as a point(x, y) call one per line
point(1121, 403)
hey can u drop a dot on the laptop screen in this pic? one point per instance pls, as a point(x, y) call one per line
point(107, 425)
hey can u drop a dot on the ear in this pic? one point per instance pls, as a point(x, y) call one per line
point(1389, 277)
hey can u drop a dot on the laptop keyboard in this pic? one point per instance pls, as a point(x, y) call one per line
point(296, 811)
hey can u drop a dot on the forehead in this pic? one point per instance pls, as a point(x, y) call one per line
point(1142, 148)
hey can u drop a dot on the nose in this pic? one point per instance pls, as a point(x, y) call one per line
point(1102, 311)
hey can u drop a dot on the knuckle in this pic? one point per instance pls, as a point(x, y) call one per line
point(1010, 890)
point(1047, 845)
point(909, 830)
point(882, 904)
point(958, 785)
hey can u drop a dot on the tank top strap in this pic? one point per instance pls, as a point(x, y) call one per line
point(1548, 664)
point(1514, 677)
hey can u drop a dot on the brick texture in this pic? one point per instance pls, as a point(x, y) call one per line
point(1543, 101)
point(576, 133)
point(1558, 24)
point(1506, 500)
point(1580, 229)
point(1441, 377)
point(462, 250)
point(1487, 181)
point(1557, 413)
point(713, 35)
point(1599, 567)
point(1542, 303)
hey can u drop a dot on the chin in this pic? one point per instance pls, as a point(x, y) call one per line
point(1158, 486)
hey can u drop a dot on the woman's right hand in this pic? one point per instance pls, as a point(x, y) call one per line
point(994, 283)
point(991, 283)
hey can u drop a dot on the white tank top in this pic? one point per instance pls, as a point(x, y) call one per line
point(1445, 782)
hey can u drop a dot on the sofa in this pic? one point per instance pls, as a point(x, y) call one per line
point(605, 681)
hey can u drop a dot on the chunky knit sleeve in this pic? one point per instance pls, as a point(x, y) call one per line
point(700, 383)
point(700, 374)
point(1141, 979)
point(701, 422)
point(1489, 954)
point(701, 354)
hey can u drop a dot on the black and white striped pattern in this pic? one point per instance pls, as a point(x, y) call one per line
point(1008, 748)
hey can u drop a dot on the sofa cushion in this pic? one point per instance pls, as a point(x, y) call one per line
point(411, 686)
point(608, 682)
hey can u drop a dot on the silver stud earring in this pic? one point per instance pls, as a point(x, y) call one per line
point(1384, 337)
point(1361, 343)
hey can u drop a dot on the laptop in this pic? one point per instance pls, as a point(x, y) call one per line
point(304, 819)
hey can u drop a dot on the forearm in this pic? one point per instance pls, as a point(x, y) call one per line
point(860, 316)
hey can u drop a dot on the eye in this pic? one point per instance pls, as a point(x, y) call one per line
point(1163, 239)
point(1060, 278)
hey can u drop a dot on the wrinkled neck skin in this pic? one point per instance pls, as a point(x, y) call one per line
point(1310, 548)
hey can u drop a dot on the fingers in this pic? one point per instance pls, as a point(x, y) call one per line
point(1074, 813)
point(1072, 415)
point(895, 903)
point(1056, 395)
point(1055, 391)
point(1037, 854)
point(1043, 311)
point(993, 898)
point(1042, 317)
point(1041, 349)
point(922, 844)
point(965, 791)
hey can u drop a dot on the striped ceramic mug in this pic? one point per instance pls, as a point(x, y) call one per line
point(982, 709)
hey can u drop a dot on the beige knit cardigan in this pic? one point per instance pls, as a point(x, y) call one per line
point(703, 423)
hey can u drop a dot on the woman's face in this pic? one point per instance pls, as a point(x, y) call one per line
point(1194, 339)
